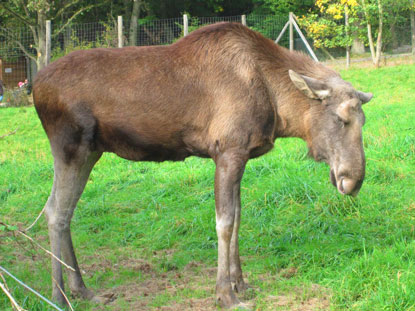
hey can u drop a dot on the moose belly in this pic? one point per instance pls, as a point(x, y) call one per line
point(141, 146)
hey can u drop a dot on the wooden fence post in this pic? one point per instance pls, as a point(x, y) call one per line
point(290, 19)
point(243, 19)
point(120, 36)
point(48, 45)
point(185, 25)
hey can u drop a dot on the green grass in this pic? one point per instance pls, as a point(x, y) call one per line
point(358, 254)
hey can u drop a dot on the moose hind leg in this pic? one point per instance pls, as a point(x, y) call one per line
point(68, 185)
point(237, 281)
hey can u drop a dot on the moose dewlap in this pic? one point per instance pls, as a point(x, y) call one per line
point(223, 92)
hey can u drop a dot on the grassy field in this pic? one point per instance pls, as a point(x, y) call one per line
point(145, 232)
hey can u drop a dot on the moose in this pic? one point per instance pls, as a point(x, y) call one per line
point(223, 92)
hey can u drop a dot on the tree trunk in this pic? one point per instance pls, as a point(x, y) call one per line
point(375, 54)
point(133, 22)
point(413, 25)
point(371, 44)
point(379, 39)
point(346, 17)
point(369, 32)
point(41, 44)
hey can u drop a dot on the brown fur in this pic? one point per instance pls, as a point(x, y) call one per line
point(223, 92)
point(166, 103)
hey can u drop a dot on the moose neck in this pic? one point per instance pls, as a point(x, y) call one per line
point(291, 105)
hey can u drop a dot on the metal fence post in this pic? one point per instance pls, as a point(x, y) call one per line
point(48, 42)
point(290, 19)
point(120, 37)
point(243, 19)
point(185, 25)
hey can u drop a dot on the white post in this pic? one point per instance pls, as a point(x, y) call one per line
point(120, 36)
point(185, 25)
point(48, 41)
point(291, 19)
point(243, 19)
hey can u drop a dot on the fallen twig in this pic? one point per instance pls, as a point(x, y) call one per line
point(40, 246)
point(6, 290)
point(37, 218)
point(9, 134)
point(62, 292)
point(30, 289)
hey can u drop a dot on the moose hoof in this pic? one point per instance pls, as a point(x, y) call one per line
point(226, 299)
point(59, 299)
point(88, 294)
point(104, 299)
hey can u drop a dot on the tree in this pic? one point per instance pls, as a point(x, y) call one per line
point(327, 29)
point(326, 25)
point(33, 14)
point(133, 21)
point(373, 10)
point(281, 7)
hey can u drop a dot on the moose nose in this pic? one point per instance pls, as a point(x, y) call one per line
point(345, 184)
point(348, 186)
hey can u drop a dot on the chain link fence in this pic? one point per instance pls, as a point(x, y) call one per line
point(18, 55)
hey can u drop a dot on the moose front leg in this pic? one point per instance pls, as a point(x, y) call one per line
point(229, 170)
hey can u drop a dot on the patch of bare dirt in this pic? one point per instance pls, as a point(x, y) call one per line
point(140, 295)
point(93, 264)
point(315, 298)
point(197, 278)
point(203, 304)
point(288, 273)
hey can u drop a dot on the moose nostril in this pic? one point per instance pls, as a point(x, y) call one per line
point(346, 185)
point(341, 188)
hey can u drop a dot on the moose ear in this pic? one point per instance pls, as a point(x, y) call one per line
point(311, 87)
point(364, 97)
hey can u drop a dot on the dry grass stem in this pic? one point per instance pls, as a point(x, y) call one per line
point(9, 134)
point(40, 246)
point(45, 250)
point(37, 218)
point(64, 296)
point(5, 289)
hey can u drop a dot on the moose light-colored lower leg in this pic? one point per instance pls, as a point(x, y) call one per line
point(237, 281)
point(229, 170)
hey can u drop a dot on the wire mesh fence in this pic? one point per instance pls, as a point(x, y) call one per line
point(155, 32)
point(19, 54)
point(82, 37)
point(16, 52)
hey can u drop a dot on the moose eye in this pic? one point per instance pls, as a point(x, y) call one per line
point(343, 120)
